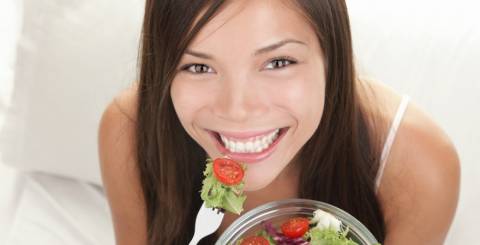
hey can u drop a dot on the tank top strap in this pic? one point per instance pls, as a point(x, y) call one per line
point(390, 138)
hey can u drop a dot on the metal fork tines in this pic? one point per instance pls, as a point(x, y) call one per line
point(208, 220)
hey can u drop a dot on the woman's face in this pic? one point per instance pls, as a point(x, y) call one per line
point(251, 86)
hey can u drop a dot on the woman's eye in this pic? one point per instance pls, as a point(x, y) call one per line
point(279, 63)
point(198, 68)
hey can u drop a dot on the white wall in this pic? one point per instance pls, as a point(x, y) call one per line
point(430, 50)
point(9, 23)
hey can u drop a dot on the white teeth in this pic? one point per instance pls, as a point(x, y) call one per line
point(257, 144)
point(264, 140)
point(253, 145)
point(240, 146)
point(223, 139)
point(249, 146)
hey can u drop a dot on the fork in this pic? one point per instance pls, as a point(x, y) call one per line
point(208, 220)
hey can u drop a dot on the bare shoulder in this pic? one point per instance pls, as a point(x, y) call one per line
point(116, 147)
point(420, 186)
point(126, 101)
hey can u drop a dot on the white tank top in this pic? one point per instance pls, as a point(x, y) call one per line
point(390, 138)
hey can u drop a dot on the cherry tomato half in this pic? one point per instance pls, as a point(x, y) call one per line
point(255, 240)
point(228, 171)
point(295, 227)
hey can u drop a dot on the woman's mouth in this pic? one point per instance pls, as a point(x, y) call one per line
point(248, 147)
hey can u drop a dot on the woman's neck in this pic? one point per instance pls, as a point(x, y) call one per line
point(284, 186)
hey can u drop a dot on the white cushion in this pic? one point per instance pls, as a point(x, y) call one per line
point(55, 210)
point(72, 58)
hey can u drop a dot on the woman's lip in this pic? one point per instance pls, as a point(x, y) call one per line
point(249, 157)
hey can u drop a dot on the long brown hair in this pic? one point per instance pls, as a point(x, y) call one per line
point(339, 162)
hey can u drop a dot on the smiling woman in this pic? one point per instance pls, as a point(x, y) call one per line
point(267, 81)
point(271, 84)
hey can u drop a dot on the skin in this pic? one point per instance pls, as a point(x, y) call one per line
point(421, 178)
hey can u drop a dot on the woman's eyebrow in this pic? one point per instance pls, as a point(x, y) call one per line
point(265, 49)
point(199, 54)
point(277, 45)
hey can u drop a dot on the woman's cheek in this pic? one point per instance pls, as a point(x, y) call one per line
point(186, 95)
point(293, 95)
point(183, 99)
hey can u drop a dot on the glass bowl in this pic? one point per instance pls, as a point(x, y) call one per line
point(278, 212)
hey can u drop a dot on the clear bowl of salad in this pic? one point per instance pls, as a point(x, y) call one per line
point(297, 222)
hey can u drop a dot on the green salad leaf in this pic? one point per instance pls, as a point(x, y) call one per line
point(329, 237)
point(217, 195)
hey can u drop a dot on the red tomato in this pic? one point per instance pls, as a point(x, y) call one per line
point(227, 171)
point(255, 240)
point(295, 227)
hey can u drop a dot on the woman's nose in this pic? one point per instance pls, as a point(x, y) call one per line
point(239, 101)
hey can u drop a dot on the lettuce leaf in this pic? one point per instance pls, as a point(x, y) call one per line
point(217, 195)
point(329, 237)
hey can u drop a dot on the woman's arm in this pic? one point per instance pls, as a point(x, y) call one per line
point(119, 172)
point(420, 188)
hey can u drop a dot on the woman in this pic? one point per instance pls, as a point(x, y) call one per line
point(215, 74)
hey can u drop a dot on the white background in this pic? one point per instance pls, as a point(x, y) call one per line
point(9, 22)
point(430, 50)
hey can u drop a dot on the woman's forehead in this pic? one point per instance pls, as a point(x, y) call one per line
point(253, 24)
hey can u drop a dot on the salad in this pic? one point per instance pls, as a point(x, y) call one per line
point(322, 229)
point(223, 185)
point(223, 190)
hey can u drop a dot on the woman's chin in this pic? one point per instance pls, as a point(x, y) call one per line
point(255, 184)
